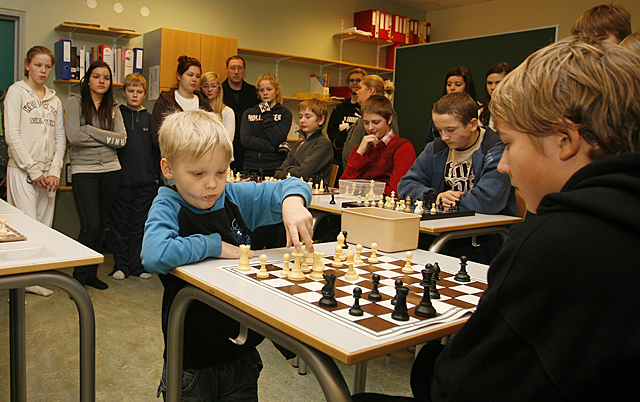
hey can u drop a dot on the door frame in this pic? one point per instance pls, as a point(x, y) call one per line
point(18, 38)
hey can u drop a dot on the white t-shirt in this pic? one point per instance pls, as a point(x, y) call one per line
point(458, 172)
point(187, 104)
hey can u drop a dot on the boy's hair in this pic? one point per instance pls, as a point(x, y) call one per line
point(191, 134)
point(377, 104)
point(135, 79)
point(459, 104)
point(34, 51)
point(210, 76)
point(469, 86)
point(274, 81)
point(356, 71)
point(235, 57)
point(632, 42)
point(315, 105)
point(602, 19)
point(585, 84)
point(378, 84)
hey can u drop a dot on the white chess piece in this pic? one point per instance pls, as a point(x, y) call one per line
point(288, 175)
point(358, 259)
point(371, 185)
point(359, 200)
point(408, 269)
point(381, 202)
point(285, 271)
point(373, 259)
point(351, 274)
point(243, 264)
point(296, 273)
point(433, 210)
point(366, 200)
point(263, 273)
point(318, 265)
point(418, 210)
point(337, 258)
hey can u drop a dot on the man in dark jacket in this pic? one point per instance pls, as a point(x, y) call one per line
point(239, 96)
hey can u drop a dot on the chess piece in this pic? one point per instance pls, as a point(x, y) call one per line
point(462, 275)
point(401, 313)
point(344, 245)
point(399, 206)
point(304, 263)
point(359, 202)
point(381, 202)
point(3, 229)
point(358, 259)
point(288, 175)
point(285, 271)
point(353, 189)
point(407, 208)
point(372, 184)
point(333, 199)
point(350, 257)
point(433, 210)
point(328, 292)
point(296, 273)
point(243, 264)
point(387, 203)
point(356, 309)
point(425, 308)
point(373, 259)
point(407, 269)
point(341, 240)
point(237, 179)
point(321, 185)
point(317, 189)
point(263, 273)
point(366, 200)
point(441, 205)
point(337, 258)
point(318, 265)
point(418, 209)
point(375, 294)
point(433, 292)
point(351, 274)
point(397, 284)
point(393, 199)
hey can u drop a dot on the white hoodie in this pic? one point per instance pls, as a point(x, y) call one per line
point(34, 130)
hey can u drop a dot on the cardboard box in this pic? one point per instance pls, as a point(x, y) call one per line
point(393, 231)
point(361, 187)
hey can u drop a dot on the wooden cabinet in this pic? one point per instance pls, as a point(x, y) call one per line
point(163, 46)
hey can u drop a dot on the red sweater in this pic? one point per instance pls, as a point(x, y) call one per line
point(384, 162)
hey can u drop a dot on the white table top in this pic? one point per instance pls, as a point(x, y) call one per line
point(321, 203)
point(6, 208)
point(324, 334)
point(44, 249)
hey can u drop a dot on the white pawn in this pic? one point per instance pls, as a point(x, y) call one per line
point(317, 189)
point(263, 273)
point(351, 274)
point(408, 269)
point(350, 257)
point(381, 202)
point(373, 259)
point(366, 200)
point(285, 271)
point(337, 258)
point(359, 200)
point(288, 175)
point(433, 210)
point(358, 259)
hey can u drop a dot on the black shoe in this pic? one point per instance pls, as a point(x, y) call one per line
point(93, 281)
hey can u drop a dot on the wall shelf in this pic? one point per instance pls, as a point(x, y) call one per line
point(77, 82)
point(291, 98)
point(91, 30)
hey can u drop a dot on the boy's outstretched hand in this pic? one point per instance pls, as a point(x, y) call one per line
point(233, 252)
point(449, 198)
point(298, 222)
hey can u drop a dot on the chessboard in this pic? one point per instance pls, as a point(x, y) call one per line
point(456, 298)
point(10, 234)
point(426, 215)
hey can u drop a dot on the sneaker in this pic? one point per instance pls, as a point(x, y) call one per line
point(119, 275)
point(145, 275)
point(94, 282)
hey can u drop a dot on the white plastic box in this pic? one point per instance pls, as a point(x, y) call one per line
point(361, 187)
point(393, 231)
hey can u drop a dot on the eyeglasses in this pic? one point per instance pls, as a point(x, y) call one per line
point(212, 86)
point(235, 68)
point(354, 80)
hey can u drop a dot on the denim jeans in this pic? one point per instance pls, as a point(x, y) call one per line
point(94, 194)
point(234, 381)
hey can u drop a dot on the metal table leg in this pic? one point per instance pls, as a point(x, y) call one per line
point(360, 378)
point(443, 238)
point(87, 321)
point(324, 368)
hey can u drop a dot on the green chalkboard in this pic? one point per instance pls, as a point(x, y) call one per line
point(420, 71)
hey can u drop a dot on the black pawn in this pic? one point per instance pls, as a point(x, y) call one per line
point(356, 309)
point(462, 275)
point(425, 308)
point(328, 292)
point(401, 313)
point(441, 206)
point(433, 292)
point(344, 232)
point(333, 200)
point(375, 294)
point(398, 285)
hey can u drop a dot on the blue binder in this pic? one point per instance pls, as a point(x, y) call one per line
point(62, 51)
point(138, 55)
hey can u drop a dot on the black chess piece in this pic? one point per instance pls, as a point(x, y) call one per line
point(398, 284)
point(425, 308)
point(401, 313)
point(328, 292)
point(333, 200)
point(356, 309)
point(441, 205)
point(462, 275)
point(375, 294)
point(344, 233)
point(433, 292)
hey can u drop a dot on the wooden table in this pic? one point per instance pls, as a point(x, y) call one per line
point(444, 229)
point(33, 262)
point(315, 339)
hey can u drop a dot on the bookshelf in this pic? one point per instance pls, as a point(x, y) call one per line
point(89, 29)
